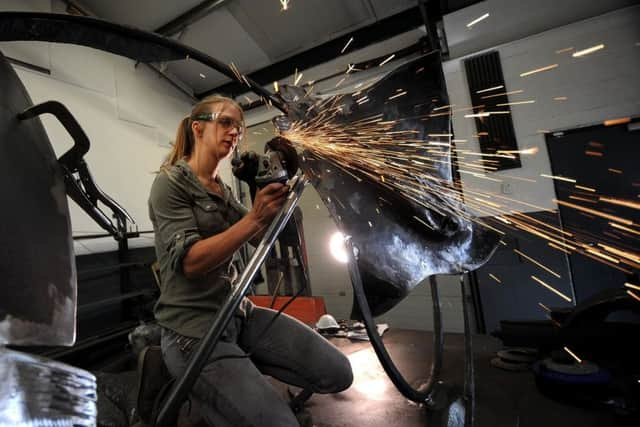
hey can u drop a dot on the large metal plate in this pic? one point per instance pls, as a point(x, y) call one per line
point(37, 266)
point(400, 242)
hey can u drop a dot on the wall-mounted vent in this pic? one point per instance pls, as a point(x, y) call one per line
point(493, 121)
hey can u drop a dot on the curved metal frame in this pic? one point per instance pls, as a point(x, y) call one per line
point(425, 395)
point(136, 44)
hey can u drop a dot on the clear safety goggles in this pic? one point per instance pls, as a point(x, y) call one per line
point(225, 122)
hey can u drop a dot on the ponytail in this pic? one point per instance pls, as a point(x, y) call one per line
point(183, 147)
point(185, 141)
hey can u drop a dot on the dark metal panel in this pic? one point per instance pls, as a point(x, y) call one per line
point(38, 291)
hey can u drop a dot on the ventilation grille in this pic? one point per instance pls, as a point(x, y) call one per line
point(494, 124)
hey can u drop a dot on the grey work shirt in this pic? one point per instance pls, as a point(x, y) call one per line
point(183, 211)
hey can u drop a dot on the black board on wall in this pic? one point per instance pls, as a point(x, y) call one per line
point(493, 120)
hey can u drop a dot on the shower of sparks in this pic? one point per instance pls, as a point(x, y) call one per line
point(595, 212)
point(539, 70)
point(573, 355)
point(475, 21)
point(528, 258)
point(618, 121)
point(284, 4)
point(387, 60)
point(620, 202)
point(495, 278)
point(526, 151)
point(559, 178)
point(346, 45)
point(405, 161)
point(582, 187)
point(560, 98)
point(490, 89)
point(566, 49)
point(632, 286)
point(587, 51)
point(513, 92)
point(544, 307)
point(275, 86)
point(633, 295)
point(397, 95)
point(530, 101)
point(552, 289)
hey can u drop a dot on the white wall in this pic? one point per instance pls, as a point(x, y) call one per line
point(129, 114)
point(599, 86)
point(511, 20)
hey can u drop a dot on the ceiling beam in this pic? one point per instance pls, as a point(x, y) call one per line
point(374, 33)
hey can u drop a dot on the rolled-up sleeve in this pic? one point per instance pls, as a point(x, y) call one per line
point(174, 223)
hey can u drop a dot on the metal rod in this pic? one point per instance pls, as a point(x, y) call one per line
point(98, 236)
point(469, 374)
point(438, 337)
point(183, 385)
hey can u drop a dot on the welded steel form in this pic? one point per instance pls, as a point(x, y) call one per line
point(400, 242)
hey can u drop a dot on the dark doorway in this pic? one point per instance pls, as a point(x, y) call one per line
point(604, 159)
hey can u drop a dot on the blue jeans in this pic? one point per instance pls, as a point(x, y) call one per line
point(234, 392)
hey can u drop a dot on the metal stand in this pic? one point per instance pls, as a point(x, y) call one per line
point(469, 372)
point(183, 385)
point(427, 393)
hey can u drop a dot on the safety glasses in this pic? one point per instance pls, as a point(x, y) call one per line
point(225, 122)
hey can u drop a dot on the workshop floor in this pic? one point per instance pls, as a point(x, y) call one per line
point(503, 398)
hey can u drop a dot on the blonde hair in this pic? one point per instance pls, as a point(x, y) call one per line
point(185, 141)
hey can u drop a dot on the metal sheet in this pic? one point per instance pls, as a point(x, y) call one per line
point(41, 392)
point(37, 266)
point(397, 249)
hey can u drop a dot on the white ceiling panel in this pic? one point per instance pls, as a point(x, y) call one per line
point(304, 25)
point(222, 37)
point(145, 14)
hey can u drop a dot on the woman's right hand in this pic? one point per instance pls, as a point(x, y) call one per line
point(268, 202)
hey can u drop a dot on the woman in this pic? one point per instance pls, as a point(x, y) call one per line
point(198, 226)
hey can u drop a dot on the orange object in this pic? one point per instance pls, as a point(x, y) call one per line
point(306, 309)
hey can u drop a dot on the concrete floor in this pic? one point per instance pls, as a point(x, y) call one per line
point(503, 398)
